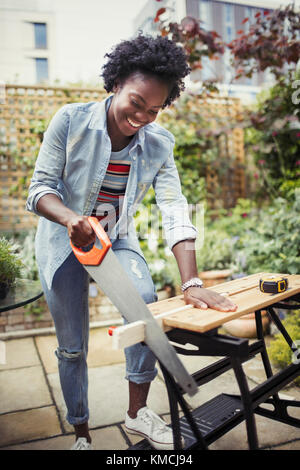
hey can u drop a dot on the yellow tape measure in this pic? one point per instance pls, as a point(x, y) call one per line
point(273, 284)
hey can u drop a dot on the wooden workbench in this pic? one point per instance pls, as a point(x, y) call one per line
point(188, 325)
point(174, 313)
point(244, 292)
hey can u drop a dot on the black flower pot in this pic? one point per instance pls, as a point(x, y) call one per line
point(4, 288)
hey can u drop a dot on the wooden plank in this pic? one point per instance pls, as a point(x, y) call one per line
point(174, 313)
point(248, 301)
point(126, 335)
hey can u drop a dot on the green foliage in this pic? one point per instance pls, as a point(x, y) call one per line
point(279, 352)
point(222, 248)
point(273, 139)
point(197, 41)
point(10, 263)
point(246, 239)
point(148, 225)
point(250, 239)
point(27, 163)
point(70, 93)
point(24, 247)
point(197, 143)
point(216, 252)
point(27, 253)
point(271, 42)
point(271, 242)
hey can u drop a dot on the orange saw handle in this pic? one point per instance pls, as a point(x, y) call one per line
point(95, 255)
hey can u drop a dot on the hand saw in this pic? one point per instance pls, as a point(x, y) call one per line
point(104, 267)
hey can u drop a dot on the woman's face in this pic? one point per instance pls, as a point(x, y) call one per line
point(136, 102)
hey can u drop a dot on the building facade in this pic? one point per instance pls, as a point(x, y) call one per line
point(26, 42)
point(60, 41)
point(224, 17)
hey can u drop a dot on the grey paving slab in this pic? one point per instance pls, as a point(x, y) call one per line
point(20, 353)
point(108, 396)
point(29, 414)
point(46, 346)
point(294, 445)
point(22, 389)
point(100, 350)
point(27, 425)
point(109, 438)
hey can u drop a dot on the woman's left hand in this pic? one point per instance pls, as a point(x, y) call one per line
point(205, 298)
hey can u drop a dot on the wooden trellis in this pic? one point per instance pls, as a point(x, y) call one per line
point(24, 108)
point(225, 182)
point(21, 112)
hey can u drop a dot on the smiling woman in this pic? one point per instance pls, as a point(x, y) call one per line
point(120, 151)
point(136, 103)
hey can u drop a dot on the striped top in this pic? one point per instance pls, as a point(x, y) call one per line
point(107, 208)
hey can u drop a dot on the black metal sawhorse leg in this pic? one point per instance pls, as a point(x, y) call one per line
point(175, 398)
point(236, 351)
point(247, 403)
point(279, 412)
point(213, 419)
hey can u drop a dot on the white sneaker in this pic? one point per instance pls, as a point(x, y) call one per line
point(152, 427)
point(82, 444)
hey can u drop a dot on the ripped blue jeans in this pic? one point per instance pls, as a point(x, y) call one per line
point(68, 303)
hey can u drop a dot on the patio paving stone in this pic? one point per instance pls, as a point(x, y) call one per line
point(108, 396)
point(20, 353)
point(30, 394)
point(109, 438)
point(22, 389)
point(26, 425)
point(100, 350)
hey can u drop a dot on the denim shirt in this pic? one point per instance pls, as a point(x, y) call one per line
point(72, 163)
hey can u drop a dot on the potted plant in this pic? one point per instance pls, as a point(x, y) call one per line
point(10, 266)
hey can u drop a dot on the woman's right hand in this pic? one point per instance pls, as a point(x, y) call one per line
point(78, 226)
point(80, 231)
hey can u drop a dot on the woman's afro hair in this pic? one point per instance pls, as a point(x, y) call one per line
point(154, 56)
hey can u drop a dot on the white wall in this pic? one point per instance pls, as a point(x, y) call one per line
point(80, 32)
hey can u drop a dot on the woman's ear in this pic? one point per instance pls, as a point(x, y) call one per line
point(116, 86)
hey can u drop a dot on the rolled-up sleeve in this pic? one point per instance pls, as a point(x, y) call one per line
point(173, 205)
point(50, 162)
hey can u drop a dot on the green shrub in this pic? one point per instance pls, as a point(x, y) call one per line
point(10, 263)
point(198, 140)
point(274, 140)
point(272, 241)
point(280, 353)
point(216, 252)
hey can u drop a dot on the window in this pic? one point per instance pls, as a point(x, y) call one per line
point(205, 14)
point(228, 21)
point(41, 69)
point(250, 13)
point(228, 28)
point(148, 26)
point(40, 35)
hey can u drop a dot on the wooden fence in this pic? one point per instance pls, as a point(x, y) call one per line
point(23, 117)
point(24, 114)
point(225, 180)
